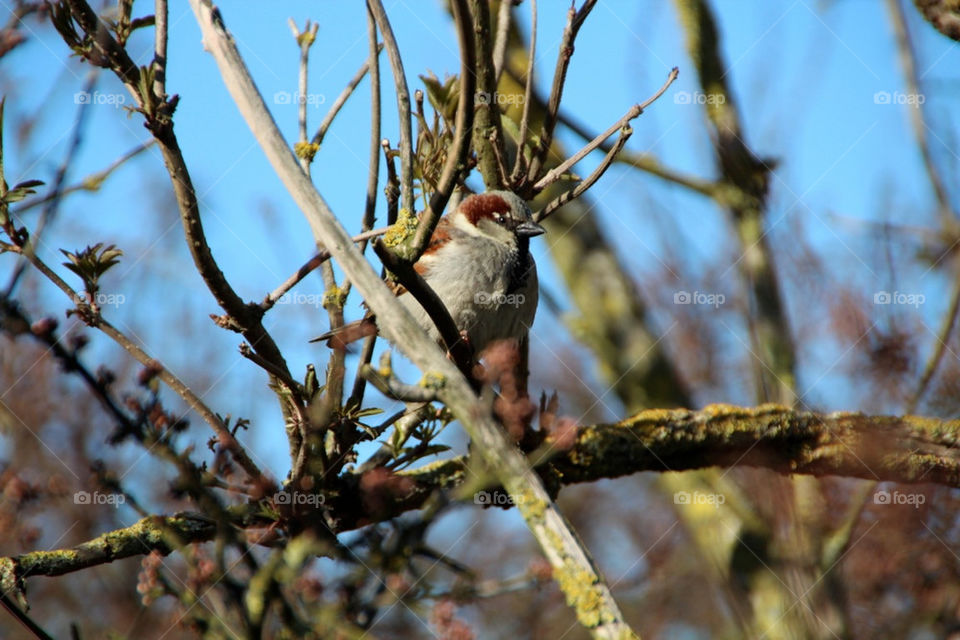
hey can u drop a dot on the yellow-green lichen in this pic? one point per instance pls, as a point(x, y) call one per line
point(530, 506)
point(306, 150)
point(334, 298)
point(583, 594)
point(405, 226)
point(433, 380)
point(655, 417)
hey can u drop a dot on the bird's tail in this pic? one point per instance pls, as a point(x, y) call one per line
point(341, 337)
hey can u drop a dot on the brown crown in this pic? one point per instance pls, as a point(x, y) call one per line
point(483, 205)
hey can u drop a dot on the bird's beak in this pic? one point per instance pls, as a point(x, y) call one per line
point(529, 229)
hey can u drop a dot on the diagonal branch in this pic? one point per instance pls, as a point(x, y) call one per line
point(457, 154)
point(403, 103)
point(575, 20)
point(554, 174)
point(574, 569)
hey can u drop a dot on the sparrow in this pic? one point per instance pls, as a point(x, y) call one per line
point(479, 264)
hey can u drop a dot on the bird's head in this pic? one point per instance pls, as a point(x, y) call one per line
point(498, 215)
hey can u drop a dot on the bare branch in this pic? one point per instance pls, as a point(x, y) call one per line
point(309, 266)
point(403, 103)
point(574, 22)
point(579, 190)
point(160, 48)
point(487, 129)
point(91, 183)
point(518, 165)
point(908, 60)
point(345, 95)
point(92, 316)
point(554, 174)
point(504, 16)
point(457, 154)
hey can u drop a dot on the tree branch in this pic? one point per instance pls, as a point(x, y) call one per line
point(554, 174)
point(904, 449)
point(403, 103)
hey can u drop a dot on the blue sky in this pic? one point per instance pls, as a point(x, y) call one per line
point(806, 75)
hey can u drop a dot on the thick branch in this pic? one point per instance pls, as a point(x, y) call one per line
point(905, 449)
point(149, 534)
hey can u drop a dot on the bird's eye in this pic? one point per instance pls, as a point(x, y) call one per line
point(500, 219)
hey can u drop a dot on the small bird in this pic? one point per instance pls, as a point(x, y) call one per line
point(478, 262)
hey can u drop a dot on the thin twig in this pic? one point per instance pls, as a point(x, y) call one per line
point(373, 179)
point(309, 266)
point(91, 183)
point(393, 388)
point(457, 154)
point(49, 213)
point(23, 618)
point(574, 22)
point(247, 352)
point(403, 103)
point(305, 40)
point(94, 319)
point(345, 95)
point(518, 165)
point(908, 59)
point(392, 189)
point(554, 174)
point(504, 19)
point(160, 48)
point(577, 191)
point(242, 317)
point(643, 161)
point(943, 341)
